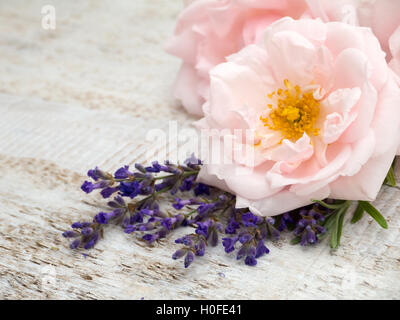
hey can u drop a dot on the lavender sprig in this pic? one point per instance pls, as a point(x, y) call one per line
point(204, 214)
point(195, 243)
point(249, 235)
point(210, 211)
point(143, 213)
point(315, 221)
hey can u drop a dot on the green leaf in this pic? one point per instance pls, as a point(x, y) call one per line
point(374, 213)
point(329, 206)
point(390, 177)
point(327, 224)
point(338, 225)
point(334, 234)
point(295, 240)
point(358, 214)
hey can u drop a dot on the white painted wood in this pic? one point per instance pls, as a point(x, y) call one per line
point(87, 94)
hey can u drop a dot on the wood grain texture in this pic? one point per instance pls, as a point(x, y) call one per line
point(87, 94)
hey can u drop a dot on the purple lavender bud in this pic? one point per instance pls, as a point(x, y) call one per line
point(320, 229)
point(250, 261)
point(146, 190)
point(245, 237)
point(162, 233)
point(86, 231)
point(298, 230)
point(189, 258)
point(125, 222)
point(219, 226)
point(241, 252)
point(179, 240)
point(192, 161)
point(303, 240)
point(201, 188)
point(152, 169)
point(275, 234)
point(70, 234)
point(97, 174)
point(102, 217)
point(77, 225)
point(75, 244)
point(311, 238)
point(187, 184)
point(261, 249)
point(168, 222)
point(87, 187)
point(117, 213)
point(232, 226)
point(129, 189)
point(123, 173)
point(316, 215)
point(179, 254)
point(136, 218)
point(200, 248)
point(160, 186)
point(285, 219)
point(202, 227)
point(146, 227)
point(139, 167)
point(107, 192)
point(251, 250)
point(147, 212)
point(120, 201)
point(113, 204)
point(130, 228)
point(229, 244)
point(150, 238)
point(155, 167)
point(187, 241)
point(175, 171)
point(92, 242)
point(206, 207)
point(303, 212)
point(250, 220)
point(308, 227)
point(139, 175)
point(180, 203)
point(214, 237)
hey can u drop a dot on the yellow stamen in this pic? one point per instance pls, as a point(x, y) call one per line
point(295, 113)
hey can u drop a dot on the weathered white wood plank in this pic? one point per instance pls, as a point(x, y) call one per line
point(40, 197)
point(114, 84)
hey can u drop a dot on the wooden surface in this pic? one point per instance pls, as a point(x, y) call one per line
point(87, 94)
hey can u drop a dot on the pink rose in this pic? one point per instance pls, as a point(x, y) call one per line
point(207, 31)
point(324, 109)
point(394, 44)
point(382, 16)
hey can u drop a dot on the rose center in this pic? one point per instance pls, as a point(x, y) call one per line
point(293, 112)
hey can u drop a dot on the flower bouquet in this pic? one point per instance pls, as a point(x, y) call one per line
point(300, 106)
